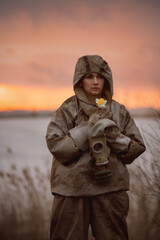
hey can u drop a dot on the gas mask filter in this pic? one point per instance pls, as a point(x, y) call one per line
point(100, 150)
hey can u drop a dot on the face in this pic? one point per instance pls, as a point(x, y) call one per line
point(93, 84)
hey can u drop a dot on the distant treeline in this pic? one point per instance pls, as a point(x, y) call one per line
point(137, 112)
point(24, 113)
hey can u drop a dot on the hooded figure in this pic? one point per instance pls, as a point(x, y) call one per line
point(80, 199)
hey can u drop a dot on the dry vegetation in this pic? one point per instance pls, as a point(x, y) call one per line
point(144, 216)
point(25, 205)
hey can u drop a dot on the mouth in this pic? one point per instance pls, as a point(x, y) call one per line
point(95, 89)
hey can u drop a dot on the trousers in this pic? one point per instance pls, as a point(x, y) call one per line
point(105, 213)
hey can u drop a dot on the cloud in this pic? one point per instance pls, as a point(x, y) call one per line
point(45, 38)
point(10, 51)
point(40, 68)
point(45, 73)
point(51, 72)
point(39, 10)
point(83, 12)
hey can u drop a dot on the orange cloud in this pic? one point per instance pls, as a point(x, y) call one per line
point(28, 98)
point(133, 98)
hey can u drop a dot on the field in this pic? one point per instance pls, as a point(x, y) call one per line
point(25, 199)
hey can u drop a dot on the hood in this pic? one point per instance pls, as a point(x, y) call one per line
point(94, 64)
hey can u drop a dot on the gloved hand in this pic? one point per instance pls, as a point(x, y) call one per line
point(100, 150)
point(101, 113)
point(112, 133)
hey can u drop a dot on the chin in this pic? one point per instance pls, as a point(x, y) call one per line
point(96, 93)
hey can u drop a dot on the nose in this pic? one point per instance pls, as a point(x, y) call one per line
point(95, 80)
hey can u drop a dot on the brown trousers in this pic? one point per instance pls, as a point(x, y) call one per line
point(105, 213)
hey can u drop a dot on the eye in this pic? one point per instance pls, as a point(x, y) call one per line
point(89, 76)
point(100, 76)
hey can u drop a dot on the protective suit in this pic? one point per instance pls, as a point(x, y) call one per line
point(73, 161)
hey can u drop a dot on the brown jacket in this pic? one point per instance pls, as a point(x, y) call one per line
point(72, 166)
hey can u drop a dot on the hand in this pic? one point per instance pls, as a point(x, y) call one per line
point(112, 133)
point(101, 113)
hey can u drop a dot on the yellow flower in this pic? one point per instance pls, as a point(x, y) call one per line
point(101, 102)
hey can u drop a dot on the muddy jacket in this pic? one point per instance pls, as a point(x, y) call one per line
point(72, 166)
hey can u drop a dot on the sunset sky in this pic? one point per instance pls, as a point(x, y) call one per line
point(40, 42)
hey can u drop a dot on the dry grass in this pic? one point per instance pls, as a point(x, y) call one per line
point(144, 216)
point(25, 204)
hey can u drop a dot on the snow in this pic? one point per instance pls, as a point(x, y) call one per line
point(22, 140)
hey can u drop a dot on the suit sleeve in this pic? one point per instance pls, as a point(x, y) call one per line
point(64, 141)
point(129, 145)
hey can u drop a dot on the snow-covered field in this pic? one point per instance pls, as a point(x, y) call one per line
point(22, 141)
point(25, 138)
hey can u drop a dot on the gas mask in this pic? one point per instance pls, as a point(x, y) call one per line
point(100, 150)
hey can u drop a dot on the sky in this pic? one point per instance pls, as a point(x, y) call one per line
point(41, 41)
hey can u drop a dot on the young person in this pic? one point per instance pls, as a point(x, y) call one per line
point(92, 139)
